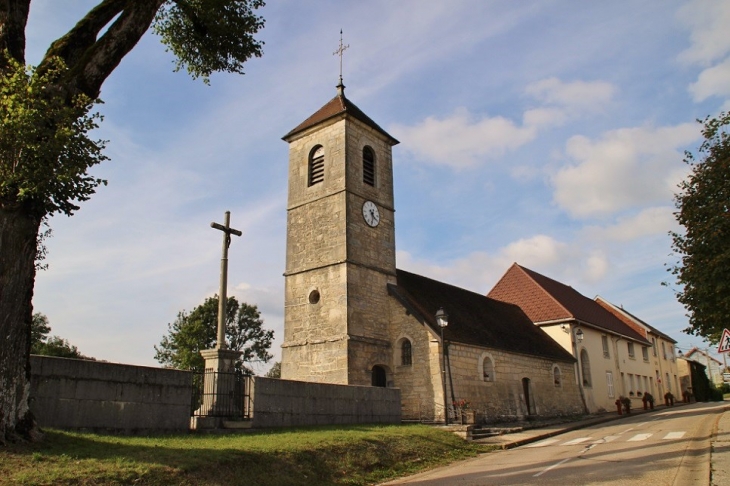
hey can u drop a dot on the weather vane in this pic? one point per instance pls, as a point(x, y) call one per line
point(339, 52)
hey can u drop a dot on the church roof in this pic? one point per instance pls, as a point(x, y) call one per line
point(339, 106)
point(546, 300)
point(475, 319)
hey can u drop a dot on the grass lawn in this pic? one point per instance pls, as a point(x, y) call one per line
point(355, 455)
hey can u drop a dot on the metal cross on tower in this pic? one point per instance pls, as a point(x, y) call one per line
point(222, 297)
point(339, 52)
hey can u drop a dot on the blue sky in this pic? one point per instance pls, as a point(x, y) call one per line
point(548, 133)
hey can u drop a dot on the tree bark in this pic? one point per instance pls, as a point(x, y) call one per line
point(18, 241)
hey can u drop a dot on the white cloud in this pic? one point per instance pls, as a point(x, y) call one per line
point(714, 81)
point(566, 99)
point(650, 221)
point(708, 21)
point(626, 167)
point(462, 140)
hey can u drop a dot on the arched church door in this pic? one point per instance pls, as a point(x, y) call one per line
point(379, 378)
point(526, 391)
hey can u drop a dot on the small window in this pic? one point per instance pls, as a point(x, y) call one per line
point(556, 376)
point(368, 166)
point(406, 353)
point(645, 353)
point(604, 341)
point(488, 369)
point(609, 384)
point(664, 351)
point(316, 165)
point(631, 350)
point(653, 346)
point(585, 367)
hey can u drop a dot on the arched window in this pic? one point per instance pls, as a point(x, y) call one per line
point(368, 166)
point(316, 165)
point(585, 367)
point(556, 376)
point(406, 356)
point(488, 369)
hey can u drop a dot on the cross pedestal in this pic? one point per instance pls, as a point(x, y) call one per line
point(219, 383)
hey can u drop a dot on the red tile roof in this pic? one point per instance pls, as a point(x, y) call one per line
point(546, 300)
point(631, 319)
point(338, 106)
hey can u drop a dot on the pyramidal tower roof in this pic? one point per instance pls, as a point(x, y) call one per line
point(338, 107)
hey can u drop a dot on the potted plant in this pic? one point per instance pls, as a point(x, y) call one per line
point(626, 402)
point(648, 399)
point(462, 406)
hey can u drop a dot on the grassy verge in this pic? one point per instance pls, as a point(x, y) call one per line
point(355, 455)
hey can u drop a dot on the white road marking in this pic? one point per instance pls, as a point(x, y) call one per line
point(576, 441)
point(639, 437)
point(674, 435)
point(544, 443)
point(551, 467)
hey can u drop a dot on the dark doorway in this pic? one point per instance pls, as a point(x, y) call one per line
point(526, 391)
point(379, 378)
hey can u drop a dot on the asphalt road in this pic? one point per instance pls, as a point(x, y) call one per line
point(668, 447)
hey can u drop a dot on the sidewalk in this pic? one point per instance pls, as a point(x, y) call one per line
point(720, 456)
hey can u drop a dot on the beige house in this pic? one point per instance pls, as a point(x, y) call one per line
point(661, 356)
point(713, 366)
point(614, 359)
point(352, 318)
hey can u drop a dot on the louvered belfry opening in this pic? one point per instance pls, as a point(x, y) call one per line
point(368, 166)
point(316, 166)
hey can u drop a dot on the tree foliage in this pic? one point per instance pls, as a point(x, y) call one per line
point(41, 343)
point(703, 204)
point(275, 371)
point(45, 150)
point(193, 332)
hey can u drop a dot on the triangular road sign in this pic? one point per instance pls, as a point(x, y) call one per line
point(724, 346)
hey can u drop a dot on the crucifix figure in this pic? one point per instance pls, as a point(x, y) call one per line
point(222, 298)
point(339, 52)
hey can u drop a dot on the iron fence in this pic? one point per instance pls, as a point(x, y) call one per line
point(219, 394)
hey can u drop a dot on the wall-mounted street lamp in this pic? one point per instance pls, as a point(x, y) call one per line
point(579, 335)
point(442, 319)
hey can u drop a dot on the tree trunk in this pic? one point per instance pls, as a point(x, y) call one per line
point(18, 244)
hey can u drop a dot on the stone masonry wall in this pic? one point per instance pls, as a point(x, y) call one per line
point(77, 394)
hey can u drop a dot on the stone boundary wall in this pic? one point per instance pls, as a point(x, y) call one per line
point(90, 395)
point(287, 403)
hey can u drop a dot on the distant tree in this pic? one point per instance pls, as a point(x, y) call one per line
point(703, 204)
point(275, 371)
point(41, 343)
point(45, 151)
point(193, 332)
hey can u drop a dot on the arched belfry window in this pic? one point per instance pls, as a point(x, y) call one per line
point(406, 353)
point(316, 165)
point(368, 166)
point(585, 367)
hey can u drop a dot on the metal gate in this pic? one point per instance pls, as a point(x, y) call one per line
point(219, 394)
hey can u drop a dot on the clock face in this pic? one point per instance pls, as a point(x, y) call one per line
point(370, 213)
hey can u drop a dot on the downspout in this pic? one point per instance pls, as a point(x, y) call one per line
point(618, 364)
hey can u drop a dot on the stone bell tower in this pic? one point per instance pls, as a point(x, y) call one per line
point(340, 249)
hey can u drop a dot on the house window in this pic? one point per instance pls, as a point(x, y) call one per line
point(645, 353)
point(631, 385)
point(609, 384)
point(368, 166)
point(669, 383)
point(653, 346)
point(406, 356)
point(631, 350)
point(664, 351)
point(604, 341)
point(488, 369)
point(316, 165)
point(585, 367)
point(556, 376)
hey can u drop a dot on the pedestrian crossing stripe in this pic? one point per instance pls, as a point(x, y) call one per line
point(579, 440)
point(544, 443)
point(674, 435)
point(639, 437)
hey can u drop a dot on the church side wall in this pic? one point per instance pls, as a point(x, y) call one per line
point(420, 381)
point(504, 397)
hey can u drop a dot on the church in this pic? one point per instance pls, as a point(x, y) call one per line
point(352, 317)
